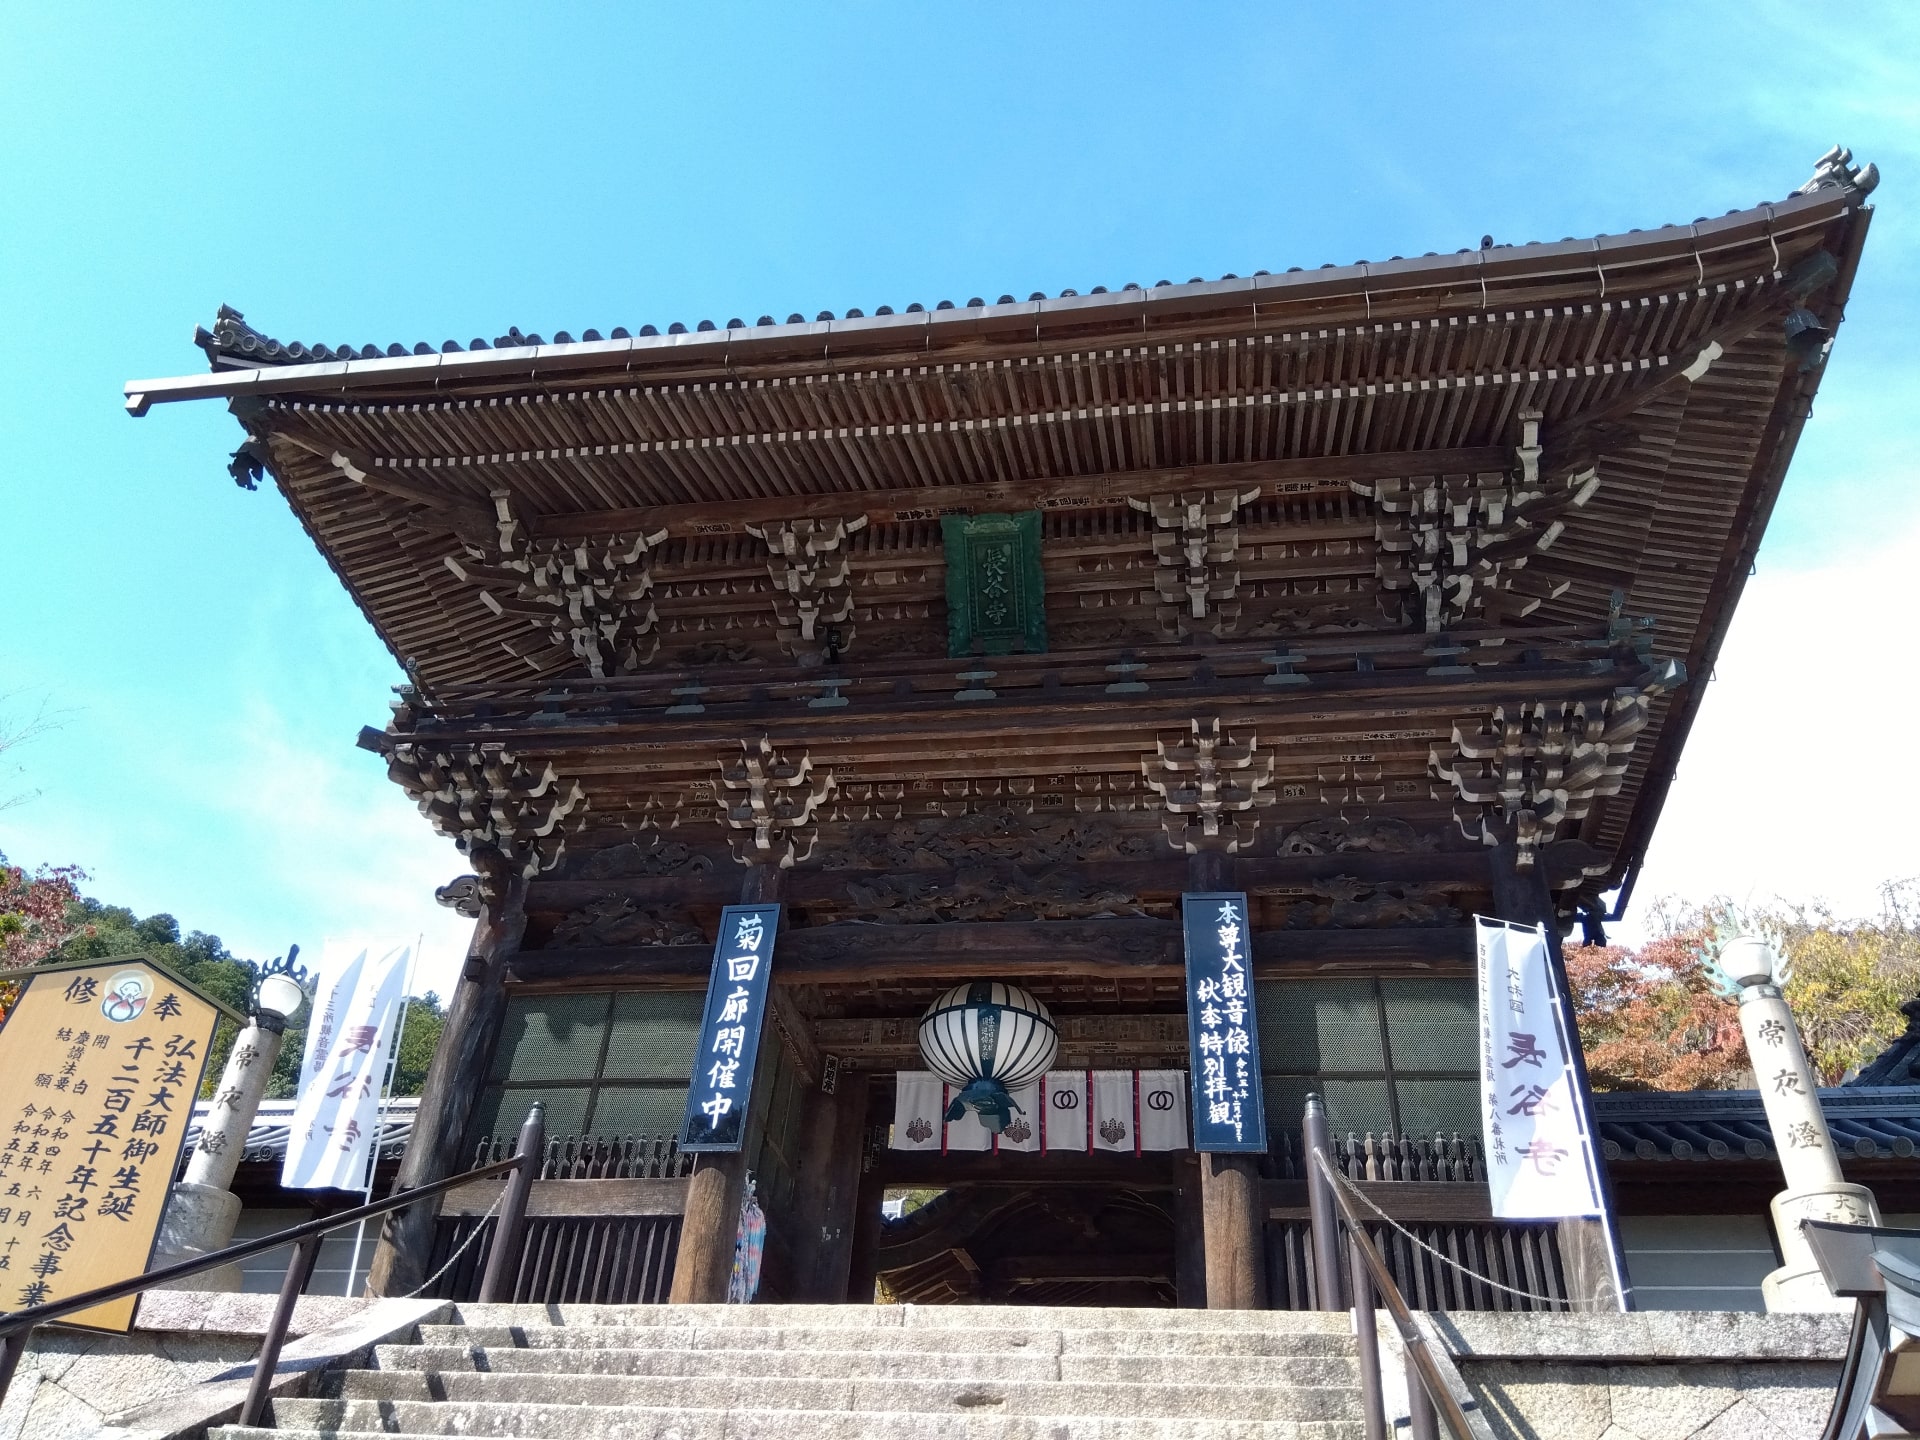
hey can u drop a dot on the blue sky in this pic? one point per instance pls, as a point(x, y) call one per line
point(383, 173)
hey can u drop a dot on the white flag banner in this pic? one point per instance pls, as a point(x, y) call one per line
point(1540, 1154)
point(1163, 1109)
point(1130, 1112)
point(1115, 1126)
point(1063, 1110)
point(1022, 1135)
point(359, 996)
point(967, 1133)
point(919, 1106)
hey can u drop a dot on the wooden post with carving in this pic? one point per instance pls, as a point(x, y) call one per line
point(1589, 1249)
point(455, 1078)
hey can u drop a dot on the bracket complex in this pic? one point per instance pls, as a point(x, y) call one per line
point(507, 815)
point(1195, 543)
point(1536, 767)
point(1460, 544)
point(772, 800)
point(812, 587)
point(1208, 778)
point(593, 599)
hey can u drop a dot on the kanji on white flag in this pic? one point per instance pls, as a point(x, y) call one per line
point(358, 999)
point(1540, 1152)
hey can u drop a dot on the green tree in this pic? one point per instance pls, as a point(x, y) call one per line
point(99, 932)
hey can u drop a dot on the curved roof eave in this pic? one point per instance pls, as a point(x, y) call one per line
point(1008, 321)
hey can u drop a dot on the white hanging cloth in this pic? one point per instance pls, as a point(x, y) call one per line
point(1118, 1112)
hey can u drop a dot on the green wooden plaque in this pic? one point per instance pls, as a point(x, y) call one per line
point(995, 594)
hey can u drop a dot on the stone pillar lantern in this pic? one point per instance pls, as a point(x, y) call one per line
point(1789, 1090)
point(201, 1211)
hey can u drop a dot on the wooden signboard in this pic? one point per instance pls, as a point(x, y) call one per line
point(102, 1065)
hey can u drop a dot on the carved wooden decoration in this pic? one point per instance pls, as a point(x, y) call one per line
point(1460, 544)
point(1208, 778)
point(617, 920)
point(591, 598)
point(463, 895)
point(772, 799)
point(505, 814)
point(1535, 768)
point(1195, 543)
point(812, 593)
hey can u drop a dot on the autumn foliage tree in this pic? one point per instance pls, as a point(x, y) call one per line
point(35, 916)
point(1662, 1018)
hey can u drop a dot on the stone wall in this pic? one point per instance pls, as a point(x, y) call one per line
point(185, 1362)
point(1672, 1375)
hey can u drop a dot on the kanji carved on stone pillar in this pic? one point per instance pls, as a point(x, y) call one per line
point(772, 800)
point(1208, 778)
point(592, 599)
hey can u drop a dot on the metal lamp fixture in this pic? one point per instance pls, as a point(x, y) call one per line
point(280, 992)
point(988, 1038)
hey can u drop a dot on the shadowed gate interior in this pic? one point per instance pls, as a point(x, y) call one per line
point(1393, 1056)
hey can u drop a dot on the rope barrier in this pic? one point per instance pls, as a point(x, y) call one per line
point(1447, 1260)
point(461, 1248)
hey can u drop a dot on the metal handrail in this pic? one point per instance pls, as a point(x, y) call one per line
point(17, 1327)
point(1420, 1358)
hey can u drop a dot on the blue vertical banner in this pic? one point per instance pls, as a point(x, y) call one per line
point(722, 1081)
point(1229, 1115)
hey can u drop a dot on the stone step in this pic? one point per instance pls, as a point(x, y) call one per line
point(984, 1335)
point(338, 1419)
point(903, 1317)
point(457, 1391)
point(1028, 1363)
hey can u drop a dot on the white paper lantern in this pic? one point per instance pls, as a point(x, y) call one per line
point(988, 1038)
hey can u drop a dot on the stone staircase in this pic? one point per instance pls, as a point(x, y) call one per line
point(815, 1372)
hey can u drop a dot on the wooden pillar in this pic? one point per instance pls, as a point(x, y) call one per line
point(1589, 1249)
point(864, 1267)
point(704, 1262)
point(1234, 1214)
point(1232, 1205)
point(455, 1078)
point(829, 1190)
point(1189, 1235)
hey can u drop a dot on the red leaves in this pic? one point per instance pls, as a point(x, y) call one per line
point(33, 911)
point(1656, 1018)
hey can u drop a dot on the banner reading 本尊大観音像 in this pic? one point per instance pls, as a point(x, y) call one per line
point(1539, 1141)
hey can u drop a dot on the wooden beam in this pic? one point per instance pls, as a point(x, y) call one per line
point(1141, 949)
point(575, 1198)
point(1011, 1270)
point(1162, 878)
point(1429, 1202)
point(1073, 492)
point(912, 1169)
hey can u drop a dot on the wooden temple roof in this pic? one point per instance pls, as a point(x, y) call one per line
point(1634, 399)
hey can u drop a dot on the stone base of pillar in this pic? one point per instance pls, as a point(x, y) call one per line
point(1798, 1286)
point(199, 1220)
point(1792, 1291)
